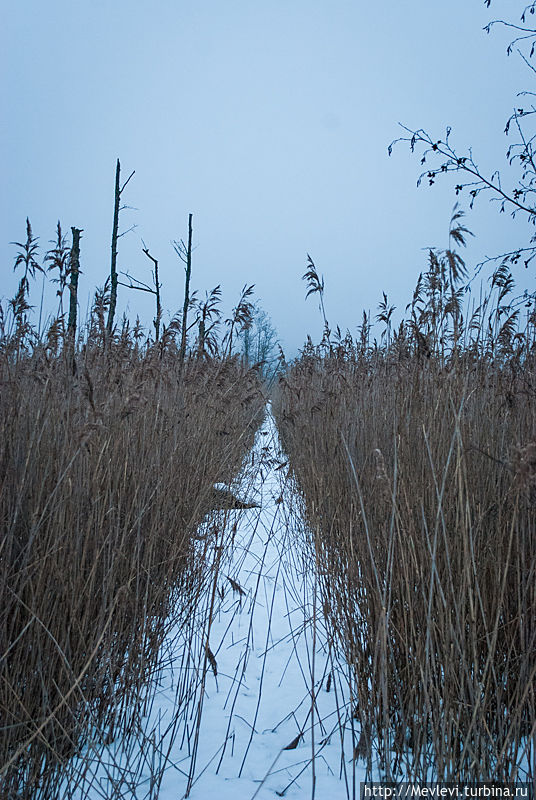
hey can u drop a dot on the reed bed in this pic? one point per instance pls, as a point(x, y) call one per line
point(108, 456)
point(416, 458)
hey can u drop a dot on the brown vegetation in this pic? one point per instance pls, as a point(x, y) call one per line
point(105, 475)
point(415, 456)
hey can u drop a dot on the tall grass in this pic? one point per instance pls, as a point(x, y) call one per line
point(107, 465)
point(416, 459)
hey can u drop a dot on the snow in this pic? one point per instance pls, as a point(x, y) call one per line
point(268, 646)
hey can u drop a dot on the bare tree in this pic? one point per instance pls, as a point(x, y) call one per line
point(261, 343)
point(74, 271)
point(140, 286)
point(185, 254)
point(441, 157)
point(115, 237)
point(158, 317)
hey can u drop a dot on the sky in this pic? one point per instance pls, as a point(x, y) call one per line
point(269, 121)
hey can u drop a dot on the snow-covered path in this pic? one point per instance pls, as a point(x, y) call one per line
point(249, 700)
point(271, 714)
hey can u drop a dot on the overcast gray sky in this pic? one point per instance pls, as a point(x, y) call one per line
point(269, 120)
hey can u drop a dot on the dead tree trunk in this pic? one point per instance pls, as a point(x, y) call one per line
point(158, 317)
point(115, 237)
point(113, 267)
point(201, 339)
point(74, 269)
point(184, 331)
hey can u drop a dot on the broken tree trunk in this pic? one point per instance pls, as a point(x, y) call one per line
point(182, 351)
point(113, 266)
point(74, 269)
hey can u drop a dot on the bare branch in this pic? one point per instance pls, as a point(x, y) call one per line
point(129, 230)
point(136, 284)
point(126, 182)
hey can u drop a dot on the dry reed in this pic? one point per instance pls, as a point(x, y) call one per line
point(416, 459)
point(104, 477)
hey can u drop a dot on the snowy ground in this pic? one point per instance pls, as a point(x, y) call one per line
point(268, 702)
